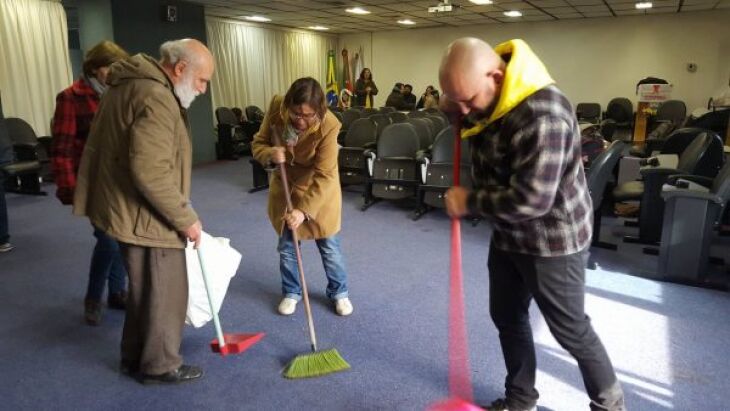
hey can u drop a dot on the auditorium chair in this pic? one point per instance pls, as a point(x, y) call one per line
point(395, 170)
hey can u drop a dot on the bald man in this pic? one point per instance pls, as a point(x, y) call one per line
point(529, 182)
point(134, 184)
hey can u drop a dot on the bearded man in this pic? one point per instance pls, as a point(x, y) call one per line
point(134, 184)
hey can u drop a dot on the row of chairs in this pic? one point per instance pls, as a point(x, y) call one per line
point(347, 117)
point(365, 133)
point(617, 122)
point(698, 151)
point(235, 131)
point(400, 170)
point(700, 158)
point(410, 157)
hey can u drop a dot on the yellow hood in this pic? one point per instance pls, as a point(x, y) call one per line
point(525, 74)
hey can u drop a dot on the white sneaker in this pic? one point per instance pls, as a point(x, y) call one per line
point(287, 306)
point(343, 306)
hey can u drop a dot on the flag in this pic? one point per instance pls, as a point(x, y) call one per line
point(359, 63)
point(332, 90)
point(346, 73)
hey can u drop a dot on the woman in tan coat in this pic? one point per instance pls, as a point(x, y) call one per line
point(299, 130)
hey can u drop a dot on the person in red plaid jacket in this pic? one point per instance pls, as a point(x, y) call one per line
point(75, 109)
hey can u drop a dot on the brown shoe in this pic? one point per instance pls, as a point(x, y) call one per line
point(117, 301)
point(92, 312)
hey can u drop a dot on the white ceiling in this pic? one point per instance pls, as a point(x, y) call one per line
point(385, 13)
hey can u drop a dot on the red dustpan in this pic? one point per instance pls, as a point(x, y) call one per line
point(225, 343)
point(460, 389)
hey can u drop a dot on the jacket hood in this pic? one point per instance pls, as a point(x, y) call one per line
point(524, 75)
point(137, 67)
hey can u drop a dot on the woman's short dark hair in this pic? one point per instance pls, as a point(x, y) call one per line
point(306, 90)
point(102, 55)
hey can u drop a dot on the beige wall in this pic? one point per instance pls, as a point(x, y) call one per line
point(591, 59)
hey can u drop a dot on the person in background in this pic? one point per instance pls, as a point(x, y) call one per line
point(529, 182)
point(395, 98)
point(299, 130)
point(134, 184)
point(409, 99)
point(346, 98)
point(6, 156)
point(422, 100)
point(365, 89)
point(75, 108)
point(431, 100)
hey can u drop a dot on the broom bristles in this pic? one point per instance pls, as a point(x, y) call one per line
point(316, 364)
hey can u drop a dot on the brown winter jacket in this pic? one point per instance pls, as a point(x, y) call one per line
point(134, 177)
point(312, 174)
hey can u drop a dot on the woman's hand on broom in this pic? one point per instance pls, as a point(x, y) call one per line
point(456, 198)
point(294, 219)
point(278, 155)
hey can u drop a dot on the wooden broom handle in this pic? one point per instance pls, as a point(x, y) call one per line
point(295, 238)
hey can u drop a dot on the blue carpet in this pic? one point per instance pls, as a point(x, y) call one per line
point(669, 342)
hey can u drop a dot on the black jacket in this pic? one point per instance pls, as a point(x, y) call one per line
point(409, 102)
point(395, 99)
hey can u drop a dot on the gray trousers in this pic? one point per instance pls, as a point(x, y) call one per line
point(558, 286)
point(156, 307)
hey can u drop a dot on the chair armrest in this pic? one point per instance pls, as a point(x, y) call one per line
point(44, 139)
point(647, 172)
point(693, 194)
point(649, 162)
point(369, 153)
point(423, 156)
point(638, 151)
point(701, 180)
point(370, 146)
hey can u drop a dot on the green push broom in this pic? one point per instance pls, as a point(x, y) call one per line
point(316, 363)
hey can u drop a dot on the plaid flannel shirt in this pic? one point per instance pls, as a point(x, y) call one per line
point(75, 108)
point(528, 176)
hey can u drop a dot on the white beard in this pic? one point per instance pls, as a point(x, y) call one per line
point(185, 91)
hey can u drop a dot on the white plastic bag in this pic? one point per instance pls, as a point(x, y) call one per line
point(222, 262)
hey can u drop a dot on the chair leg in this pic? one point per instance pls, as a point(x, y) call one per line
point(26, 184)
point(421, 207)
point(257, 189)
point(367, 196)
point(632, 239)
point(650, 251)
point(596, 240)
point(420, 211)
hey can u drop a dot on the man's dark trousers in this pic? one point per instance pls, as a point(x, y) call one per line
point(558, 286)
point(156, 307)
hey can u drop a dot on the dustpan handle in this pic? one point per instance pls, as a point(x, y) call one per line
point(216, 321)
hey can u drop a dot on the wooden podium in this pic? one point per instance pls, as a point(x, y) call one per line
point(648, 94)
point(640, 123)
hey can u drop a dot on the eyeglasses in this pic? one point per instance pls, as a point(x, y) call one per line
point(307, 117)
